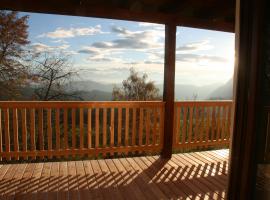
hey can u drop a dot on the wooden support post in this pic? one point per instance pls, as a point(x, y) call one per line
point(168, 88)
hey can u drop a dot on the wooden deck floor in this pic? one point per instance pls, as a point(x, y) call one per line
point(200, 175)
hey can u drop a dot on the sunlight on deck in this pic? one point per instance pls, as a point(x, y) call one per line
point(197, 175)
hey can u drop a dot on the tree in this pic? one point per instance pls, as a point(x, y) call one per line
point(136, 88)
point(13, 39)
point(51, 73)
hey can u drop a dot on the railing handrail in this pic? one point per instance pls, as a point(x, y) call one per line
point(204, 103)
point(79, 104)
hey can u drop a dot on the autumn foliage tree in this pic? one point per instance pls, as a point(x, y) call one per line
point(13, 40)
point(136, 88)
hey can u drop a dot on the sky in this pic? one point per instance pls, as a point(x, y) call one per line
point(104, 50)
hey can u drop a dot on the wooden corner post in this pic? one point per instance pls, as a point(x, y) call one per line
point(168, 88)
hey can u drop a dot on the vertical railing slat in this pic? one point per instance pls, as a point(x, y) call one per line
point(89, 127)
point(178, 120)
point(104, 130)
point(197, 117)
point(81, 129)
point(147, 131)
point(112, 129)
point(134, 122)
point(213, 123)
point(229, 122)
point(15, 132)
point(24, 133)
point(202, 125)
point(97, 128)
point(184, 132)
point(73, 127)
point(127, 127)
point(161, 130)
point(57, 129)
point(141, 127)
point(40, 130)
point(32, 131)
point(7, 133)
point(65, 126)
point(155, 126)
point(49, 131)
point(190, 129)
point(119, 135)
point(208, 124)
point(218, 136)
point(223, 130)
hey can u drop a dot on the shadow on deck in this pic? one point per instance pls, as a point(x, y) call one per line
point(199, 175)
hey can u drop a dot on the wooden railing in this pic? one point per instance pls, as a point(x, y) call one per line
point(48, 130)
point(200, 124)
point(31, 130)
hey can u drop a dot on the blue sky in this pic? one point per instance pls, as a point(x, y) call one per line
point(103, 50)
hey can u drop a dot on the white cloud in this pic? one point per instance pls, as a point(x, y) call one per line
point(139, 40)
point(152, 25)
point(72, 32)
point(195, 46)
point(40, 47)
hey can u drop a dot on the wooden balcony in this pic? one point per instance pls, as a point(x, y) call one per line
point(105, 150)
point(197, 175)
point(46, 130)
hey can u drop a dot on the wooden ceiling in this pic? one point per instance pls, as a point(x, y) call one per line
point(207, 14)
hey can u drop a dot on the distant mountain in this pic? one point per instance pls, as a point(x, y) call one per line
point(223, 92)
point(192, 92)
point(95, 91)
point(89, 85)
point(91, 89)
point(95, 95)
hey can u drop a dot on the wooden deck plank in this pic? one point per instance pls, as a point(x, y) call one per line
point(156, 190)
point(110, 183)
point(118, 178)
point(91, 180)
point(160, 174)
point(199, 173)
point(196, 175)
point(190, 182)
point(7, 180)
point(63, 181)
point(33, 188)
point(43, 184)
point(83, 189)
point(15, 183)
point(101, 179)
point(54, 181)
point(209, 170)
point(72, 181)
point(128, 176)
point(138, 180)
point(28, 179)
point(167, 176)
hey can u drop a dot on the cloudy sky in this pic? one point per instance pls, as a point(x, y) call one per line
point(103, 50)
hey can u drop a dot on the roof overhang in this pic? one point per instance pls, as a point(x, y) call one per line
point(207, 14)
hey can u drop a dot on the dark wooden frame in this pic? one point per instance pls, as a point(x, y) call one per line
point(243, 143)
point(168, 91)
point(242, 159)
point(83, 8)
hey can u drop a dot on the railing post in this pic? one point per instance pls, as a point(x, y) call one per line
point(168, 88)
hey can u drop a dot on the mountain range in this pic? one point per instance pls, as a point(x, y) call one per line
point(95, 91)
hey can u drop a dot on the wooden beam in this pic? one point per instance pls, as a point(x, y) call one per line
point(110, 11)
point(168, 90)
